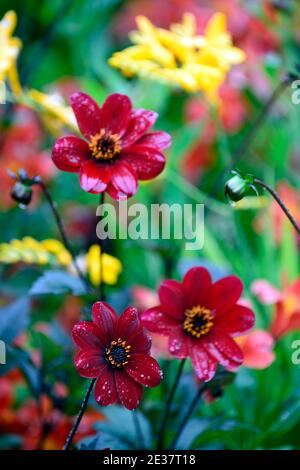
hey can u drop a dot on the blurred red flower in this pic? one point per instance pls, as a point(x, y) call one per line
point(20, 147)
point(39, 425)
point(116, 352)
point(200, 318)
point(257, 347)
point(117, 151)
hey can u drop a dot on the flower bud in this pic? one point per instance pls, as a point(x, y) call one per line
point(21, 193)
point(236, 187)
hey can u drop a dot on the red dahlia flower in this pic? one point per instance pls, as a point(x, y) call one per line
point(200, 318)
point(116, 352)
point(116, 151)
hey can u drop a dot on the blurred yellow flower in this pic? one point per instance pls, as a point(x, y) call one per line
point(179, 56)
point(53, 110)
point(30, 251)
point(111, 268)
point(9, 50)
point(52, 252)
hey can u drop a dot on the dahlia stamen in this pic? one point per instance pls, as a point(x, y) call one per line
point(198, 321)
point(117, 354)
point(105, 145)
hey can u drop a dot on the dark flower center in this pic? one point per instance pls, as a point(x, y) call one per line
point(117, 354)
point(104, 145)
point(198, 321)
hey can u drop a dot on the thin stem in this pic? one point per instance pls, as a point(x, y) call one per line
point(165, 418)
point(101, 246)
point(80, 415)
point(244, 145)
point(188, 415)
point(138, 430)
point(275, 195)
point(89, 391)
point(62, 231)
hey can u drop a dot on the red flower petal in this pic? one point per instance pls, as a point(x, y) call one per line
point(106, 319)
point(157, 140)
point(123, 182)
point(69, 152)
point(179, 343)
point(89, 362)
point(105, 388)
point(224, 294)
point(130, 392)
point(145, 370)
point(157, 321)
point(223, 349)
point(128, 322)
point(204, 365)
point(94, 176)
point(115, 113)
point(196, 284)
point(140, 121)
point(172, 299)
point(147, 162)
point(87, 114)
point(140, 341)
point(87, 335)
point(236, 322)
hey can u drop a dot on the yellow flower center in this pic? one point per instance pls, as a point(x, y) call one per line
point(104, 145)
point(117, 354)
point(198, 321)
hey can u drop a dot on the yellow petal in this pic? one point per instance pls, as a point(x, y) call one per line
point(216, 26)
point(8, 22)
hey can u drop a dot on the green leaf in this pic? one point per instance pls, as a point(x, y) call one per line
point(120, 426)
point(57, 282)
point(14, 319)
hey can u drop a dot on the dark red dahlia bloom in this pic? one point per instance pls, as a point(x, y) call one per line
point(115, 350)
point(201, 318)
point(117, 150)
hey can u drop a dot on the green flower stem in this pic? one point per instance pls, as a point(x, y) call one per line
point(91, 386)
point(244, 145)
point(188, 414)
point(101, 246)
point(275, 195)
point(62, 231)
point(166, 415)
point(80, 416)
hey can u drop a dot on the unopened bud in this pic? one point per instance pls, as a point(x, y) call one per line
point(21, 193)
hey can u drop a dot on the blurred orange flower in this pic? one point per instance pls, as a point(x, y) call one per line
point(257, 347)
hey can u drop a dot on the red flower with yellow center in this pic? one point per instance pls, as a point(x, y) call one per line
point(117, 150)
point(201, 318)
point(115, 350)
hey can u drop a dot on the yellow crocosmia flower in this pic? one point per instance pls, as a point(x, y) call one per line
point(55, 247)
point(53, 110)
point(188, 26)
point(111, 267)
point(218, 43)
point(9, 51)
point(179, 56)
point(30, 251)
